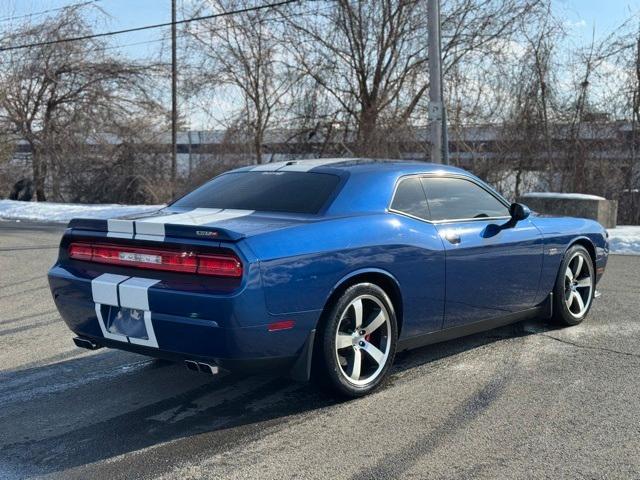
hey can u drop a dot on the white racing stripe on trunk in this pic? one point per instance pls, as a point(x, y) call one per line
point(154, 228)
point(153, 238)
point(119, 228)
point(197, 216)
point(227, 214)
point(150, 228)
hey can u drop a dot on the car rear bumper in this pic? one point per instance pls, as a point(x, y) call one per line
point(223, 339)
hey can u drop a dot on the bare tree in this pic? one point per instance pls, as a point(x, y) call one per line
point(51, 91)
point(371, 57)
point(243, 54)
point(527, 143)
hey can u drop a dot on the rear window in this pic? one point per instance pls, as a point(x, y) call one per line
point(290, 192)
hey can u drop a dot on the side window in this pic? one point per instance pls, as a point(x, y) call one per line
point(410, 199)
point(457, 198)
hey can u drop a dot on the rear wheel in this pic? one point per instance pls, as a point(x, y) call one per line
point(575, 287)
point(358, 340)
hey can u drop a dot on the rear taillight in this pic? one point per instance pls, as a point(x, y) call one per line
point(220, 265)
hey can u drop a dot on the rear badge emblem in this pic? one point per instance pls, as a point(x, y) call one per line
point(206, 233)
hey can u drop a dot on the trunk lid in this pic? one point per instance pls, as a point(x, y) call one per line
point(197, 224)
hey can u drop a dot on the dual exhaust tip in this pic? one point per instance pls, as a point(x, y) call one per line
point(86, 343)
point(201, 367)
point(190, 364)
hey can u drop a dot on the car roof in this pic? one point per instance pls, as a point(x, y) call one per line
point(369, 183)
point(359, 165)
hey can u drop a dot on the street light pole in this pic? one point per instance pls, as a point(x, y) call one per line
point(174, 101)
point(439, 149)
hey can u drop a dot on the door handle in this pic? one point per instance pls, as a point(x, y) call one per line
point(452, 237)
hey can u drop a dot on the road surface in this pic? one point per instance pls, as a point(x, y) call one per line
point(525, 401)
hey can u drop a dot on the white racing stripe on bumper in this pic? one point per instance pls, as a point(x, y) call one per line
point(151, 342)
point(105, 288)
point(127, 292)
point(106, 333)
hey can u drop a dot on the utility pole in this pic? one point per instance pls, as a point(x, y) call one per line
point(174, 101)
point(439, 148)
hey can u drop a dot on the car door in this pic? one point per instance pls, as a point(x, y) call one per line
point(419, 265)
point(492, 265)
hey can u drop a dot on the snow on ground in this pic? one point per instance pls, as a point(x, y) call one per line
point(63, 212)
point(571, 196)
point(625, 239)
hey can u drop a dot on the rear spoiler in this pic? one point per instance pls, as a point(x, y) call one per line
point(132, 229)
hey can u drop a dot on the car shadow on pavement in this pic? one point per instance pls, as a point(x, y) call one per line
point(69, 414)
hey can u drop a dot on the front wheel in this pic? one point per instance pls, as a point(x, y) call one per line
point(575, 287)
point(358, 340)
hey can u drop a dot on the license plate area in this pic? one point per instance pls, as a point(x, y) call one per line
point(127, 321)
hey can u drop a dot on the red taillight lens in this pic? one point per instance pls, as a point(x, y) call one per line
point(223, 265)
point(80, 251)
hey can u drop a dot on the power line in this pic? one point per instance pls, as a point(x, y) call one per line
point(51, 10)
point(149, 27)
point(98, 49)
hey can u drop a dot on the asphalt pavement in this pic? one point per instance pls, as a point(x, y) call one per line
point(524, 401)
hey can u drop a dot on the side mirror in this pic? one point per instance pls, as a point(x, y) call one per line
point(519, 212)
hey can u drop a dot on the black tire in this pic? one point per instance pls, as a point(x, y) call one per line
point(562, 314)
point(332, 364)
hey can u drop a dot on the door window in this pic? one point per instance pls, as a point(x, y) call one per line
point(456, 199)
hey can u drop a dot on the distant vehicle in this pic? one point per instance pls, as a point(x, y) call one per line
point(322, 267)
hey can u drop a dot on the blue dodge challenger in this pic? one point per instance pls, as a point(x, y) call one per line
point(322, 268)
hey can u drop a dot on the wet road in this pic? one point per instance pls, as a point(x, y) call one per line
point(525, 401)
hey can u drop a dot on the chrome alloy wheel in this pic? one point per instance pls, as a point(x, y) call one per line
point(363, 340)
point(578, 284)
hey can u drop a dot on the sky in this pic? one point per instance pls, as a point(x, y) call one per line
point(581, 16)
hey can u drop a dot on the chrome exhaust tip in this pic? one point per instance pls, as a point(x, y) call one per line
point(191, 365)
point(201, 367)
point(86, 343)
point(209, 369)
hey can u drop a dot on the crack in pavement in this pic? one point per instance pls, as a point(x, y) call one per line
point(33, 247)
point(590, 347)
point(31, 316)
point(22, 292)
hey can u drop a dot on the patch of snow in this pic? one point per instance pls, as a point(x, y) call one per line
point(572, 196)
point(64, 212)
point(625, 239)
